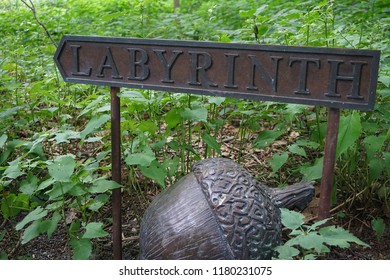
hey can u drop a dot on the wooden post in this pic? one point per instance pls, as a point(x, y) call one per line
point(116, 174)
point(329, 163)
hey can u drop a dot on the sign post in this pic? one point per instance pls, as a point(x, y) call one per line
point(116, 173)
point(329, 163)
point(335, 78)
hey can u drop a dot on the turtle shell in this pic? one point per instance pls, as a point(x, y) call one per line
point(219, 211)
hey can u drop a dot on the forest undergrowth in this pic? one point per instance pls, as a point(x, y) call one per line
point(55, 152)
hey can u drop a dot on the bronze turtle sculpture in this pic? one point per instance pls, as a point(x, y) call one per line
point(218, 211)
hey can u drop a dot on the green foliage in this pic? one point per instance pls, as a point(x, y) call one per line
point(55, 137)
point(82, 248)
point(378, 225)
point(311, 241)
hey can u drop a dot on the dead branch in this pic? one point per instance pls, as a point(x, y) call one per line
point(31, 6)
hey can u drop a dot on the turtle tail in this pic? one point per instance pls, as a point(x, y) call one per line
point(296, 196)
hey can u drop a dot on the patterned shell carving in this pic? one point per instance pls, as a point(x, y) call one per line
point(218, 211)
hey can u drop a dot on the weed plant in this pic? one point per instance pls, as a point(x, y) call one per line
point(54, 137)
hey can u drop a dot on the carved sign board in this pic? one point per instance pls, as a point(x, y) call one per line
point(339, 78)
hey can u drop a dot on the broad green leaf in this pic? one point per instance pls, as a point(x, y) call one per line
point(65, 136)
point(94, 230)
point(373, 144)
point(155, 172)
point(133, 95)
point(5, 154)
point(378, 225)
point(14, 169)
point(217, 100)
point(376, 166)
point(307, 144)
point(34, 215)
point(32, 231)
point(291, 219)
point(105, 108)
point(384, 79)
point(103, 185)
point(36, 148)
point(295, 149)
point(82, 248)
point(94, 124)
point(171, 165)
point(93, 139)
point(110, 17)
point(3, 139)
point(96, 205)
point(45, 184)
point(212, 142)
point(55, 205)
point(337, 236)
point(12, 204)
point(286, 252)
point(148, 126)
point(49, 111)
point(53, 222)
point(102, 155)
point(310, 257)
point(59, 189)
point(78, 189)
point(98, 202)
point(91, 105)
point(295, 108)
point(349, 131)
point(314, 172)
point(267, 137)
point(310, 240)
point(62, 168)
point(9, 112)
point(158, 145)
point(318, 224)
point(173, 118)
point(224, 38)
point(74, 228)
point(387, 163)
point(277, 161)
point(3, 255)
point(29, 185)
point(197, 114)
point(141, 159)
point(261, 9)
point(383, 192)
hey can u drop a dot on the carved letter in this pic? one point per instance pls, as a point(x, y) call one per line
point(272, 81)
point(355, 78)
point(108, 62)
point(303, 72)
point(167, 66)
point(138, 64)
point(197, 69)
point(230, 65)
point(76, 62)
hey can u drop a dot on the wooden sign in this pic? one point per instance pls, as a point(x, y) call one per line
point(338, 78)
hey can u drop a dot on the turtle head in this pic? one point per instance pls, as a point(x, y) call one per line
point(296, 196)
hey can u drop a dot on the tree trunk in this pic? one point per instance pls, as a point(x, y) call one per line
point(176, 4)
